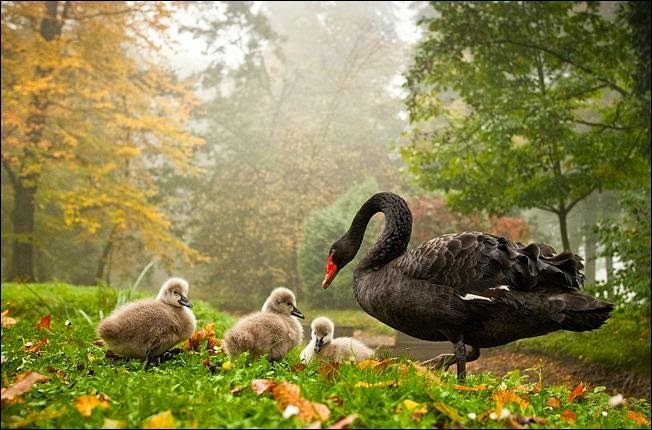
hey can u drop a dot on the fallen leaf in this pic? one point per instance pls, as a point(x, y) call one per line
point(553, 402)
point(569, 416)
point(577, 392)
point(11, 394)
point(86, 403)
point(344, 422)
point(211, 367)
point(162, 420)
point(45, 323)
point(329, 371)
point(480, 387)
point(448, 411)
point(638, 418)
point(519, 422)
point(194, 342)
point(377, 365)
point(7, 321)
point(381, 384)
point(113, 424)
point(299, 367)
point(287, 394)
point(227, 365)
point(236, 390)
point(35, 346)
point(418, 409)
point(505, 396)
point(259, 386)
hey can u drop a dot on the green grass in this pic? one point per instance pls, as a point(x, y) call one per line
point(622, 343)
point(198, 398)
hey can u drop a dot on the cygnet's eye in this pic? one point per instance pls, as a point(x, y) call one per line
point(176, 293)
point(289, 303)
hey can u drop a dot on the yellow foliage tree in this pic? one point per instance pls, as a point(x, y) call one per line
point(88, 119)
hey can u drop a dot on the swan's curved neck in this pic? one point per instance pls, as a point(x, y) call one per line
point(396, 235)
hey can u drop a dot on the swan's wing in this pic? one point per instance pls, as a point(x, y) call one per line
point(478, 262)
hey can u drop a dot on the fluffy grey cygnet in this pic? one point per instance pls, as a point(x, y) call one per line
point(148, 328)
point(273, 331)
point(323, 347)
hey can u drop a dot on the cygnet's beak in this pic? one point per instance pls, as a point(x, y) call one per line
point(183, 301)
point(296, 312)
point(319, 344)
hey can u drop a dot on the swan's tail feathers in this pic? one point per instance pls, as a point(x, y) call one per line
point(578, 312)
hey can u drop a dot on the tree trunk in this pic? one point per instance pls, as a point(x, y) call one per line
point(590, 239)
point(22, 217)
point(25, 186)
point(563, 227)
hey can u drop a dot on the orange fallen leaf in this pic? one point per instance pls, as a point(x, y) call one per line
point(36, 346)
point(577, 392)
point(553, 402)
point(289, 395)
point(86, 403)
point(447, 410)
point(505, 396)
point(638, 418)
point(11, 394)
point(7, 321)
point(45, 323)
point(162, 420)
point(480, 387)
point(569, 416)
point(259, 386)
point(195, 341)
point(329, 371)
point(299, 367)
point(344, 422)
point(378, 365)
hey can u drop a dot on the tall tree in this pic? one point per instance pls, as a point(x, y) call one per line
point(88, 118)
point(524, 104)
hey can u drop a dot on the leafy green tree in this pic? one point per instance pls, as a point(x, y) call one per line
point(524, 104)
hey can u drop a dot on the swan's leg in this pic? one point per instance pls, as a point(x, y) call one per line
point(460, 359)
point(446, 360)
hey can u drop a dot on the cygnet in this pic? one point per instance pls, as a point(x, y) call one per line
point(148, 328)
point(323, 347)
point(273, 331)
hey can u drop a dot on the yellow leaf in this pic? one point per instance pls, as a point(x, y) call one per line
point(227, 365)
point(418, 409)
point(162, 420)
point(382, 384)
point(7, 321)
point(114, 424)
point(505, 396)
point(86, 403)
point(480, 387)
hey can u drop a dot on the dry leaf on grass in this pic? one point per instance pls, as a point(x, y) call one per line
point(553, 402)
point(45, 323)
point(259, 386)
point(7, 321)
point(114, 424)
point(569, 416)
point(86, 403)
point(480, 387)
point(577, 392)
point(344, 422)
point(381, 384)
point(377, 365)
point(23, 383)
point(35, 346)
point(449, 411)
point(287, 394)
point(638, 418)
point(418, 409)
point(329, 371)
point(206, 333)
point(162, 420)
point(505, 396)
point(519, 422)
point(299, 367)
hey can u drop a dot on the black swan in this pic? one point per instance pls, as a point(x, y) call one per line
point(469, 288)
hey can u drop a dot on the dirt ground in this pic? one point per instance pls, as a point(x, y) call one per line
point(556, 369)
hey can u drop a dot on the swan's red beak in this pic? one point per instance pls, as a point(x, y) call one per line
point(331, 271)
